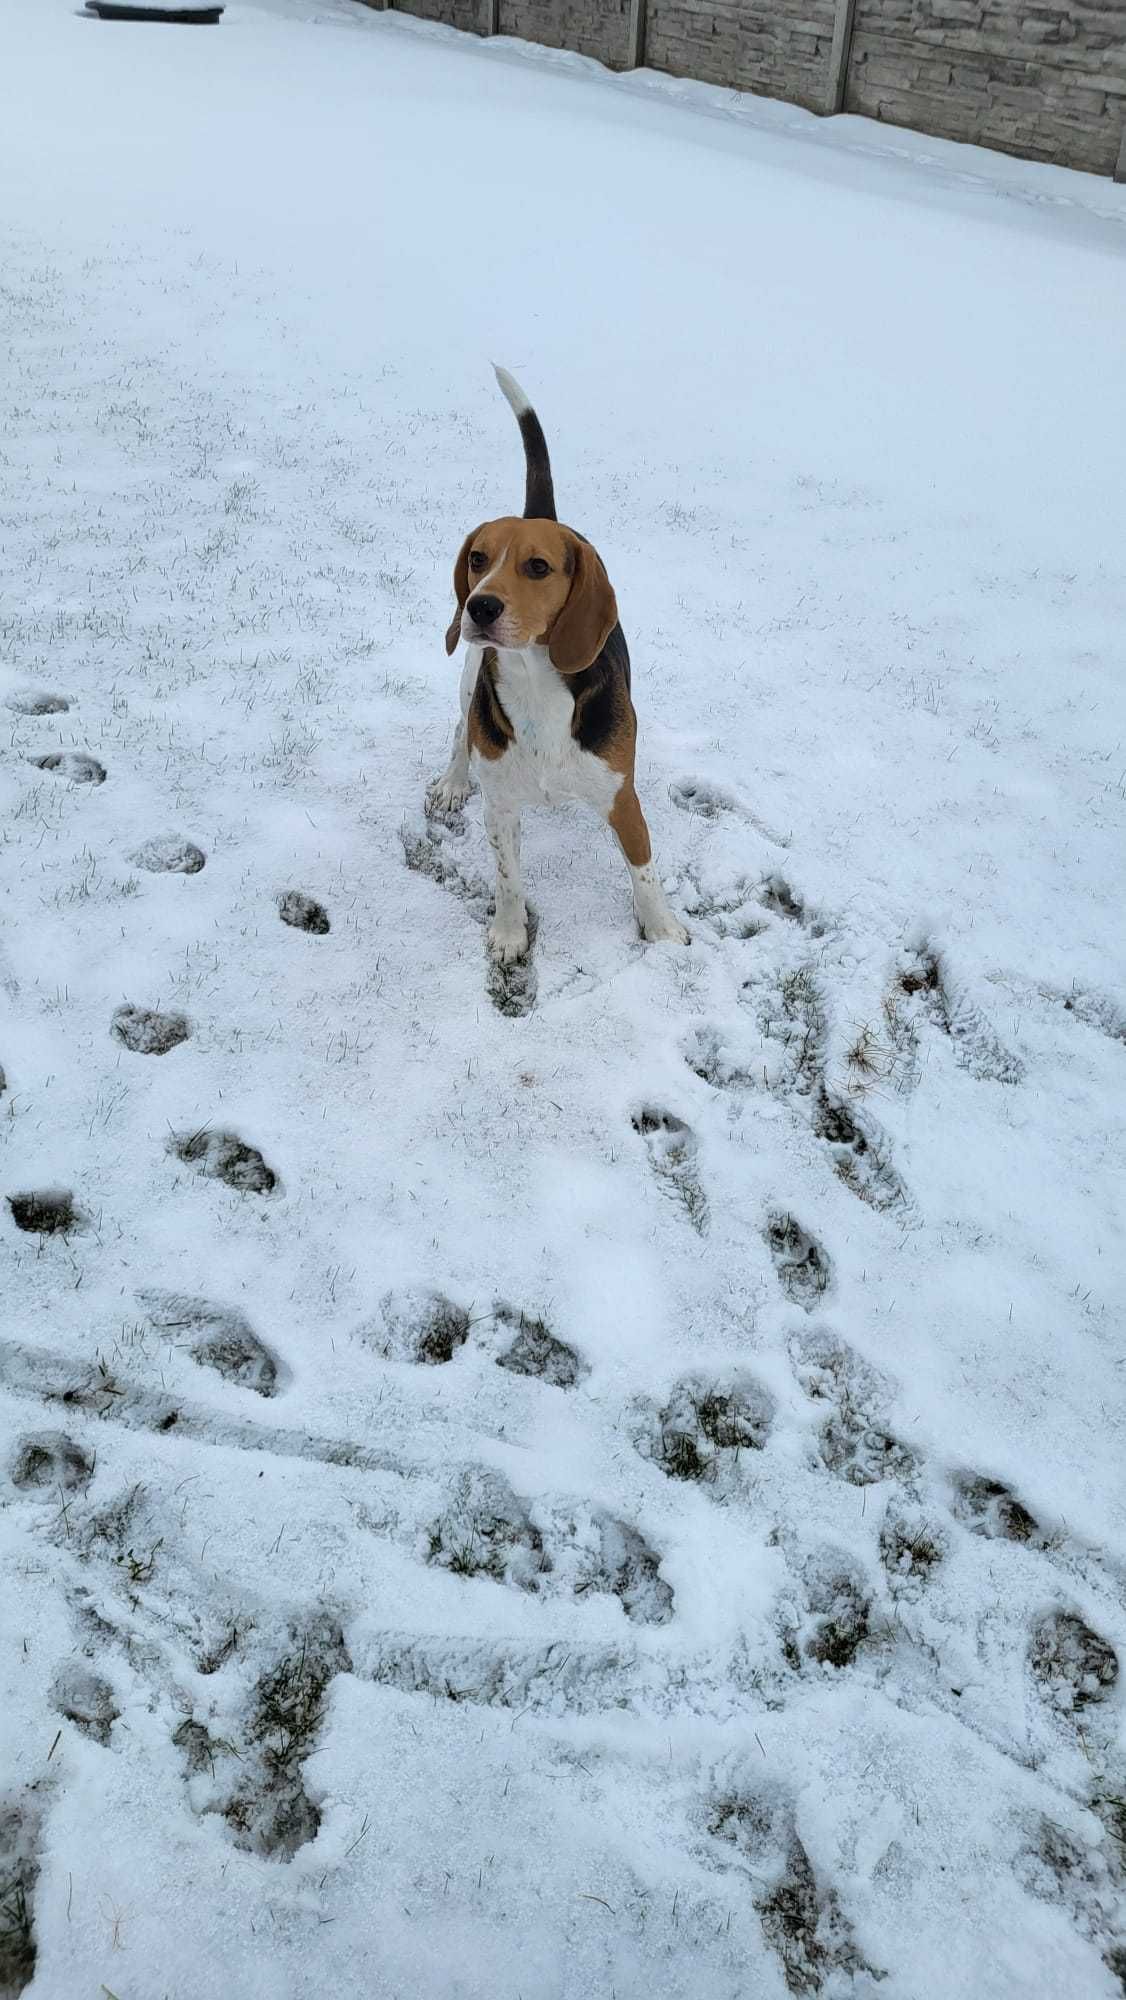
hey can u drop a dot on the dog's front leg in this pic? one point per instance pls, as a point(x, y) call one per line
point(449, 792)
point(508, 932)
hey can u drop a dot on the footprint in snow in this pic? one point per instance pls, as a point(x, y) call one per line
point(836, 1621)
point(46, 1212)
point(37, 701)
point(169, 854)
point(416, 1325)
point(671, 1145)
point(1095, 1010)
point(1072, 1664)
point(73, 765)
point(861, 1156)
point(925, 984)
point(252, 1775)
point(801, 1917)
point(84, 1698)
point(706, 1424)
point(51, 1462)
point(989, 1508)
point(20, 1849)
point(216, 1336)
point(804, 1268)
point(301, 913)
point(148, 1033)
point(852, 1442)
point(225, 1157)
point(911, 1548)
point(706, 800)
point(535, 1351)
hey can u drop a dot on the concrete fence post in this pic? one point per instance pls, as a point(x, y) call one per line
point(490, 24)
point(635, 35)
point(1120, 169)
point(839, 55)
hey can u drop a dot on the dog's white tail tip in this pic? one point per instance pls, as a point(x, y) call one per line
point(511, 391)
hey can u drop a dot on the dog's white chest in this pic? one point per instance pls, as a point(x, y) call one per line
point(544, 765)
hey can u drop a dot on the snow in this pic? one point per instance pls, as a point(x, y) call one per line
point(621, 1495)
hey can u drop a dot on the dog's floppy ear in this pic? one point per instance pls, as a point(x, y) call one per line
point(461, 589)
point(589, 616)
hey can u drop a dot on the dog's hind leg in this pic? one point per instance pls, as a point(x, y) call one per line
point(655, 918)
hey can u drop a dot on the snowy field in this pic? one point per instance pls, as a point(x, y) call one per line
point(614, 1489)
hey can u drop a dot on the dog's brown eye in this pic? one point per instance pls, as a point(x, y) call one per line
point(537, 567)
point(478, 560)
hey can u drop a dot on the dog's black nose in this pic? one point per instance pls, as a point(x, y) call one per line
point(483, 610)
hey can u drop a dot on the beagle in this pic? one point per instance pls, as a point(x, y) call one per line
point(546, 713)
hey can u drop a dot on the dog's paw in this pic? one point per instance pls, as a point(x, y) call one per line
point(508, 942)
point(448, 795)
point(664, 928)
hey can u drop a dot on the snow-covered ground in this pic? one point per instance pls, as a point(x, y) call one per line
point(622, 1497)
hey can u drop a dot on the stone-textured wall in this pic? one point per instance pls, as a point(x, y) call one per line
point(1042, 78)
point(472, 15)
point(779, 50)
point(598, 28)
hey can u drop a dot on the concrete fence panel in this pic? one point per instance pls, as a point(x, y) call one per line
point(598, 28)
point(779, 50)
point(1042, 78)
point(1045, 79)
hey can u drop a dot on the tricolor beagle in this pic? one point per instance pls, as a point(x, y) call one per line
point(546, 713)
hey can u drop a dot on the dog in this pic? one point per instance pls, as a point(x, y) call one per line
point(546, 710)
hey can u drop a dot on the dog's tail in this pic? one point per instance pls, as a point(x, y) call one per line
point(539, 492)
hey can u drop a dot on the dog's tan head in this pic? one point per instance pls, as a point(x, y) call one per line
point(524, 583)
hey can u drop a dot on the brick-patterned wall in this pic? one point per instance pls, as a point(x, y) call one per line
point(468, 14)
point(1042, 78)
point(778, 50)
point(598, 28)
point(1045, 79)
